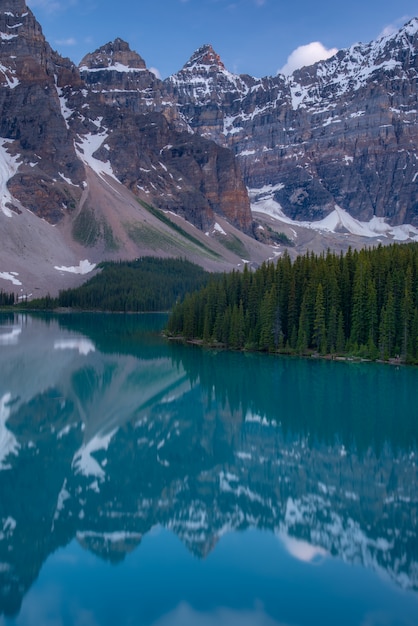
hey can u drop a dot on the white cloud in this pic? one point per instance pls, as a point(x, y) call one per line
point(394, 27)
point(155, 71)
point(307, 55)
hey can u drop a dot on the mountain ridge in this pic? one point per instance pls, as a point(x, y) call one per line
point(332, 139)
point(301, 114)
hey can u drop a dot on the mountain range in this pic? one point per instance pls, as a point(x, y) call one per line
point(107, 161)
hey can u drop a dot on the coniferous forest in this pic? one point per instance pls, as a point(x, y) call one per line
point(7, 299)
point(145, 284)
point(363, 303)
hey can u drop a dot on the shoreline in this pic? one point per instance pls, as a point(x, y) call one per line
point(394, 361)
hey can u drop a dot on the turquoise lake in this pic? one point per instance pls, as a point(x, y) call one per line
point(144, 482)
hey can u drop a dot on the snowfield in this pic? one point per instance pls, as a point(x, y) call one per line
point(338, 220)
point(8, 168)
point(85, 267)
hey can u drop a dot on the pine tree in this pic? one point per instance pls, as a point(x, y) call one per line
point(407, 314)
point(371, 321)
point(361, 279)
point(319, 328)
point(303, 329)
point(387, 329)
point(340, 346)
point(332, 329)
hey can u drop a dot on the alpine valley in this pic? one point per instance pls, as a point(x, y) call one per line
point(106, 161)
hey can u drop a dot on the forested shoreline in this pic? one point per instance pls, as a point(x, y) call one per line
point(363, 303)
point(145, 284)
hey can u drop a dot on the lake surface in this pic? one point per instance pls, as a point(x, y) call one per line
point(146, 482)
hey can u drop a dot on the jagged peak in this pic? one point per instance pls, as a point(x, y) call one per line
point(412, 25)
point(205, 55)
point(113, 55)
point(350, 68)
point(409, 28)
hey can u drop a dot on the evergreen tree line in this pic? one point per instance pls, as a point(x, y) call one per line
point(7, 299)
point(146, 284)
point(363, 303)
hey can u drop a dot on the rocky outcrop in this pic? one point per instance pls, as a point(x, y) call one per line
point(120, 78)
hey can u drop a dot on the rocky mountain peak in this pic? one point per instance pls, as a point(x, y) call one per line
point(204, 79)
point(207, 57)
point(410, 29)
point(412, 25)
point(113, 55)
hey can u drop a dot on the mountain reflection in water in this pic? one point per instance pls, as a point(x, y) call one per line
point(107, 431)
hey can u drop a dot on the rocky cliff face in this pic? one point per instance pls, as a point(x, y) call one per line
point(32, 127)
point(340, 132)
point(150, 148)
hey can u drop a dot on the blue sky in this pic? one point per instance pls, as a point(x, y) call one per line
point(251, 36)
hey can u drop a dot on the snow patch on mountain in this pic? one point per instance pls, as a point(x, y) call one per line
point(339, 220)
point(10, 276)
point(8, 168)
point(204, 73)
point(84, 267)
point(87, 145)
point(116, 67)
point(65, 110)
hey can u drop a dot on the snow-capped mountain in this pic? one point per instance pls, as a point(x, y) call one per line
point(79, 146)
point(343, 131)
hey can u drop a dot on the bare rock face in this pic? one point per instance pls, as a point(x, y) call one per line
point(149, 146)
point(116, 54)
point(343, 131)
point(121, 79)
point(174, 171)
point(31, 116)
